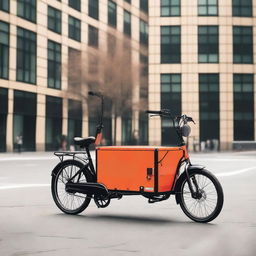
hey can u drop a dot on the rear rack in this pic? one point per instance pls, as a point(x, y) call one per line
point(62, 154)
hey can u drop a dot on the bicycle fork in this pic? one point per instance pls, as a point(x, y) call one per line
point(194, 194)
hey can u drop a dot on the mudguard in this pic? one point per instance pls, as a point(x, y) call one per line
point(87, 172)
point(178, 183)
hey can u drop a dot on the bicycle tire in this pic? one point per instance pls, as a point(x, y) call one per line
point(54, 187)
point(215, 211)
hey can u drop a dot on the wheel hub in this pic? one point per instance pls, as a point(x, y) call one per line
point(202, 195)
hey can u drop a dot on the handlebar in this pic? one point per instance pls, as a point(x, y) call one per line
point(154, 112)
point(167, 113)
point(97, 94)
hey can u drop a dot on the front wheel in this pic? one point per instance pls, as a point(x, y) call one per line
point(209, 200)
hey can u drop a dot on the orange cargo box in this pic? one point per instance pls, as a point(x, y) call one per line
point(138, 169)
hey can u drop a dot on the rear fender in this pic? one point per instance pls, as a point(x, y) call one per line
point(86, 170)
point(182, 177)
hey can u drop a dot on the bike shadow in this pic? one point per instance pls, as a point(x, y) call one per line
point(138, 220)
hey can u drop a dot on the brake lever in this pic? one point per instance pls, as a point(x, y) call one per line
point(152, 115)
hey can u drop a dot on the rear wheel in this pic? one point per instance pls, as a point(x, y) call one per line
point(70, 203)
point(208, 203)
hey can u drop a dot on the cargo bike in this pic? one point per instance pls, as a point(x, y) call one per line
point(155, 173)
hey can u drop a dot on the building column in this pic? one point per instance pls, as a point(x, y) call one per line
point(85, 122)
point(65, 117)
point(9, 128)
point(40, 122)
point(136, 94)
point(226, 112)
point(119, 131)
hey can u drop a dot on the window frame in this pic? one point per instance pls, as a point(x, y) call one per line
point(26, 46)
point(112, 13)
point(27, 10)
point(207, 48)
point(74, 28)
point(127, 25)
point(57, 17)
point(243, 50)
point(5, 6)
point(93, 36)
point(75, 4)
point(237, 9)
point(4, 49)
point(169, 7)
point(93, 9)
point(54, 64)
point(243, 106)
point(170, 47)
point(207, 6)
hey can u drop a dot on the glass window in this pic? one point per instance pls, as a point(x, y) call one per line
point(127, 23)
point(75, 116)
point(170, 44)
point(54, 19)
point(170, 99)
point(170, 8)
point(143, 119)
point(111, 13)
point(27, 9)
point(208, 44)
point(54, 65)
point(76, 4)
point(209, 106)
point(74, 70)
point(111, 44)
point(207, 7)
point(26, 56)
point(243, 106)
point(94, 9)
point(242, 8)
point(242, 44)
point(53, 124)
point(5, 5)
point(3, 117)
point(4, 50)
point(24, 119)
point(144, 5)
point(74, 28)
point(143, 32)
point(93, 36)
point(3, 100)
point(127, 133)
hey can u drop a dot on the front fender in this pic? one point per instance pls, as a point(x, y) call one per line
point(182, 177)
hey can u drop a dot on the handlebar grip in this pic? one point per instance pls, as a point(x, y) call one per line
point(190, 119)
point(97, 94)
point(154, 112)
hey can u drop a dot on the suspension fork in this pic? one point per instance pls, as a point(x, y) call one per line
point(194, 194)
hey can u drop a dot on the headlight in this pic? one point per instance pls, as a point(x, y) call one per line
point(185, 130)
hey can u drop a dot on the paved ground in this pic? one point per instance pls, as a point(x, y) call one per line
point(30, 223)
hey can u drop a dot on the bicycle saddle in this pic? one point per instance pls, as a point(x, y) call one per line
point(84, 142)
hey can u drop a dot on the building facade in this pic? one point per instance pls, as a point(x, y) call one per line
point(202, 63)
point(200, 57)
point(37, 40)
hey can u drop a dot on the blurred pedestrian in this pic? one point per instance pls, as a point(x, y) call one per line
point(19, 142)
point(63, 143)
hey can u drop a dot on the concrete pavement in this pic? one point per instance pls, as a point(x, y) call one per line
point(31, 224)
